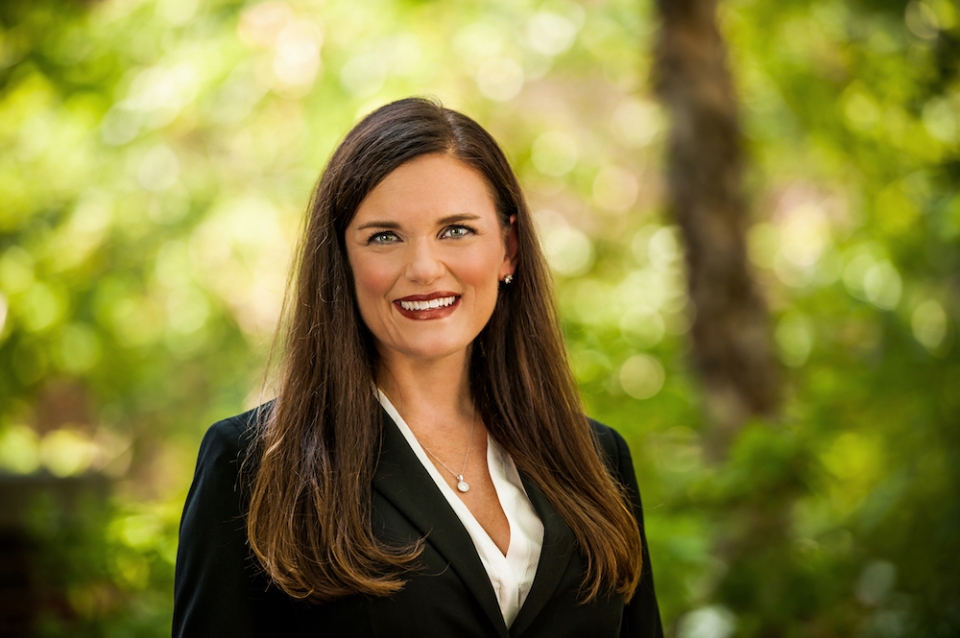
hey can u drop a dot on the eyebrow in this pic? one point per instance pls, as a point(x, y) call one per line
point(443, 221)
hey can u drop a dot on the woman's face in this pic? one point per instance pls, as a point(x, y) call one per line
point(427, 253)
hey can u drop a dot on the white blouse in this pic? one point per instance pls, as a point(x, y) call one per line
point(511, 575)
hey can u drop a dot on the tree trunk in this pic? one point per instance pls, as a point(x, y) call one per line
point(730, 333)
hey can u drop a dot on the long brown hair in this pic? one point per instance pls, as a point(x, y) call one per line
point(309, 521)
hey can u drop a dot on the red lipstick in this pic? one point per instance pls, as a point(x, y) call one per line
point(434, 305)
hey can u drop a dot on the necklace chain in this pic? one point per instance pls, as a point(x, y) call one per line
point(462, 485)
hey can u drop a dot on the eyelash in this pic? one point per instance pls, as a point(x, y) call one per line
point(373, 239)
point(376, 237)
point(467, 230)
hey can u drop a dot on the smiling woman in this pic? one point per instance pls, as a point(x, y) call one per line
point(426, 245)
point(426, 468)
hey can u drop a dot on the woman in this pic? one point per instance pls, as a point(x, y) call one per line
point(426, 468)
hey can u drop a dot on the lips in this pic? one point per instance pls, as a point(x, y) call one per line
point(432, 306)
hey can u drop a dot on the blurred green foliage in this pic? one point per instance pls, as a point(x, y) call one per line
point(156, 159)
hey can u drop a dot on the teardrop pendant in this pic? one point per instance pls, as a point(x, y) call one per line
point(461, 484)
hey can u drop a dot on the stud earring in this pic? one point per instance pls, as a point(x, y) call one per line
point(508, 279)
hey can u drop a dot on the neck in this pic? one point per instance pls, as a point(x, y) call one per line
point(428, 394)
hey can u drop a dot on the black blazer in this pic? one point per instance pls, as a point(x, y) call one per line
point(220, 592)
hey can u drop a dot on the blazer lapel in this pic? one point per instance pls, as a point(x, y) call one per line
point(558, 546)
point(402, 480)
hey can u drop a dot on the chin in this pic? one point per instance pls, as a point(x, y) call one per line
point(434, 351)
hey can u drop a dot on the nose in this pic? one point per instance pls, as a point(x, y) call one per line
point(424, 266)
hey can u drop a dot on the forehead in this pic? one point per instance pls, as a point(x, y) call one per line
point(435, 184)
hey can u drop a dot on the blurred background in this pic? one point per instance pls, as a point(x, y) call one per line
point(156, 157)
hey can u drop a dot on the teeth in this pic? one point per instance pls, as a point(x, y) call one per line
point(440, 302)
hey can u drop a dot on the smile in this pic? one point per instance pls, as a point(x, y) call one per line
point(432, 304)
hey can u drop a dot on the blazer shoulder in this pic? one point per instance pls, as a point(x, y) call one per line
point(233, 436)
point(613, 447)
point(222, 462)
point(242, 425)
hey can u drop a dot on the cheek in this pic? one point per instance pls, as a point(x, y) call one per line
point(484, 268)
point(372, 278)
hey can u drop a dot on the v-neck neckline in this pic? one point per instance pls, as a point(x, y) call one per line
point(457, 504)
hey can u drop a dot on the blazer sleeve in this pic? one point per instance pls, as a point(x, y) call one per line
point(218, 588)
point(641, 616)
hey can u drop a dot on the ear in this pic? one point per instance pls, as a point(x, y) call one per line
point(509, 264)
